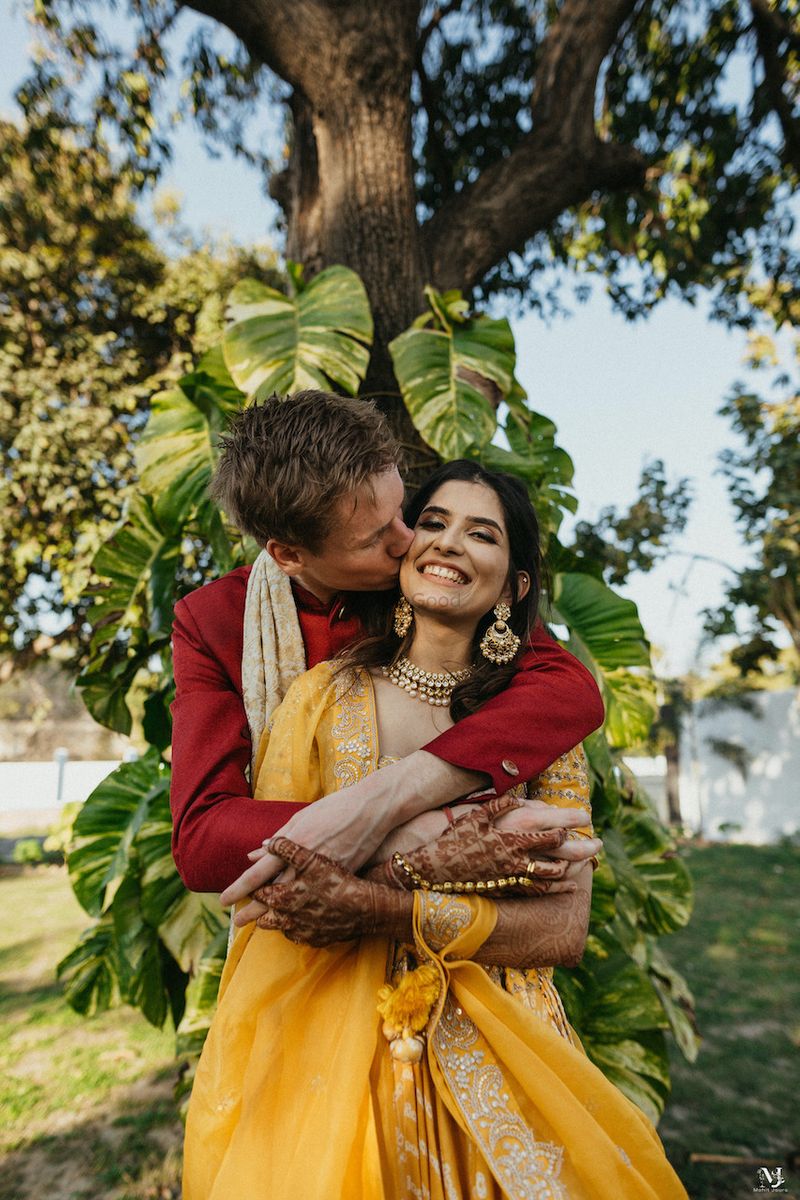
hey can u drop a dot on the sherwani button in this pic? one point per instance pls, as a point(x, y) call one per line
point(509, 767)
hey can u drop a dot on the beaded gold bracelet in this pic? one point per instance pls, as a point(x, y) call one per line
point(481, 885)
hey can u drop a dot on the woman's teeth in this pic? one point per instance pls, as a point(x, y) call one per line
point(445, 573)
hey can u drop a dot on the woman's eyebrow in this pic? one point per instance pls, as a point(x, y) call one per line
point(445, 512)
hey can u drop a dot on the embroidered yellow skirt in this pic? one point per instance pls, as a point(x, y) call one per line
point(297, 1094)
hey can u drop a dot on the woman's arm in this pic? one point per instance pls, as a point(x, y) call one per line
point(325, 904)
point(548, 931)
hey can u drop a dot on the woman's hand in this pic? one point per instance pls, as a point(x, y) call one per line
point(477, 847)
point(323, 903)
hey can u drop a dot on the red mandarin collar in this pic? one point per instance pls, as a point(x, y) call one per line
point(327, 628)
point(307, 602)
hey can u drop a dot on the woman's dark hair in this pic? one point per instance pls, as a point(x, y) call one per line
point(380, 646)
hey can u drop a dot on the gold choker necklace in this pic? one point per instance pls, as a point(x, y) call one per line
point(430, 687)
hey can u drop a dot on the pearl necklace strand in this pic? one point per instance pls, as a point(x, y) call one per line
point(430, 687)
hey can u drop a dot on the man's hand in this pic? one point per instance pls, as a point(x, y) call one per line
point(324, 903)
point(350, 824)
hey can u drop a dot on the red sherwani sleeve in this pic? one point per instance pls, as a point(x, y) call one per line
point(214, 819)
point(551, 705)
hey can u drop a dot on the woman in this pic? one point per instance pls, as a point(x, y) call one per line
point(460, 1077)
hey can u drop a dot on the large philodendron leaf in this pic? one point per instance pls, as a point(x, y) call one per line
point(201, 997)
point(677, 1000)
point(533, 455)
point(444, 364)
point(132, 610)
point(147, 972)
point(91, 970)
point(186, 921)
point(105, 829)
point(315, 339)
point(618, 1016)
point(177, 451)
point(606, 634)
point(644, 859)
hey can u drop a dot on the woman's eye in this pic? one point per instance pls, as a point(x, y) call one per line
point(430, 523)
point(485, 537)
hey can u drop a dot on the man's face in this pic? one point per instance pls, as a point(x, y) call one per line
point(367, 540)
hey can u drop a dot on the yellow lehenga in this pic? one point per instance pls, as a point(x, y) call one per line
point(297, 1095)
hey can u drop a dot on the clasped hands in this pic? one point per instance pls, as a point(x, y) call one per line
point(317, 900)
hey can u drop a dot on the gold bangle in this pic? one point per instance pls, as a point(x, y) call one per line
point(482, 885)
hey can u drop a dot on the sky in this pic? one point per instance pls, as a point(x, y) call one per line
point(620, 393)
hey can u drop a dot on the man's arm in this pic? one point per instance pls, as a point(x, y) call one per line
point(214, 819)
point(551, 704)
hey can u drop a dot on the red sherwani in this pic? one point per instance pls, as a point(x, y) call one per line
point(551, 704)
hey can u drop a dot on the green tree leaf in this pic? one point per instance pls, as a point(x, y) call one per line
point(185, 921)
point(316, 339)
point(619, 1018)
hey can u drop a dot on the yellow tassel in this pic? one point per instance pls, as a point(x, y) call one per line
point(408, 1006)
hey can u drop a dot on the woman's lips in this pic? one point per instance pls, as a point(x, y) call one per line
point(443, 574)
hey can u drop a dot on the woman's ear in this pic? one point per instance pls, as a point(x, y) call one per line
point(523, 587)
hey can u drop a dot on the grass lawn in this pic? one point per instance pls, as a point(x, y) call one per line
point(740, 955)
point(87, 1106)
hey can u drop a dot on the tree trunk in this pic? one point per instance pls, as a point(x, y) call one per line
point(348, 192)
point(673, 789)
point(351, 201)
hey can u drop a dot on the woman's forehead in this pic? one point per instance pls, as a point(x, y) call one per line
point(464, 498)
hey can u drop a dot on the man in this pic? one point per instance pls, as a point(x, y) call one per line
point(314, 480)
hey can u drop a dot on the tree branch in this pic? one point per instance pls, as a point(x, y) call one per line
point(309, 42)
point(274, 31)
point(771, 31)
point(558, 164)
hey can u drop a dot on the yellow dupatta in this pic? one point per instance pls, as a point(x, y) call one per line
point(297, 1094)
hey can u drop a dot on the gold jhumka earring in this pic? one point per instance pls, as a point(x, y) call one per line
point(499, 644)
point(403, 616)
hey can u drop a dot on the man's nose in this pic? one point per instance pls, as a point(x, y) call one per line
point(401, 538)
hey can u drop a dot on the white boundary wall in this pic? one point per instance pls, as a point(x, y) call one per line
point(761, 805)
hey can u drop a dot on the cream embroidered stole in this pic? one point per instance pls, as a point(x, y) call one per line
point(273, 653)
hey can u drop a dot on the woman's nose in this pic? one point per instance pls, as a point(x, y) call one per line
point(448, 540)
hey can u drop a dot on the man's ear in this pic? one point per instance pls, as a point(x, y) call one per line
point(289, 558)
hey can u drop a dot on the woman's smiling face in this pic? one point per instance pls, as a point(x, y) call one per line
point(458, 562)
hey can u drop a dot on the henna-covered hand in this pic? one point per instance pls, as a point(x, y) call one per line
point(324, 903)
point(475, 849)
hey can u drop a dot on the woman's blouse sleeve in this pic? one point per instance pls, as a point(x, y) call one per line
point(566, 783)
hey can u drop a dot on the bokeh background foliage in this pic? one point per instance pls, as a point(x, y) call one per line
point(158, 947)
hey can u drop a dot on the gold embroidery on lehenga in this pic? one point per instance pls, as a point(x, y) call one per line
point(352, 730)
point(443, 919)
point(524, 1167)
